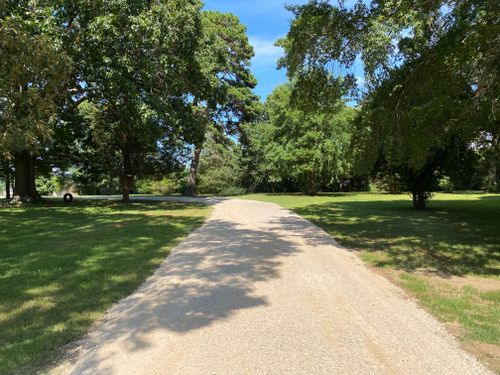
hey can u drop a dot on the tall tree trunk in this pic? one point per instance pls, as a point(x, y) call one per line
point(193, 171)
point(127, 182)
point(127, 174)
point(419, 199)
point(25, 176)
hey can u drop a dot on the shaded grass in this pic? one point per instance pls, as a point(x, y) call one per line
point(457, 237)
point(62, 266)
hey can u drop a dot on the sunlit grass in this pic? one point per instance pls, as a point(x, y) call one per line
point(62, 266)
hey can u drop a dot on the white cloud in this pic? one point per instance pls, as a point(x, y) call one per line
point(265, 51)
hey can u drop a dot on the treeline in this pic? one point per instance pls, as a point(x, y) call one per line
point(429, 101)
point(427, 106)
point(100, 92)
point(156, 97)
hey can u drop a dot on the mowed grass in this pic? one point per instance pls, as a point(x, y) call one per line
point(448, 255)
point(62, 266)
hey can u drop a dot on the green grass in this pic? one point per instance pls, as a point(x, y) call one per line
point(478, 313)
point(458, 235)
point(62, 266)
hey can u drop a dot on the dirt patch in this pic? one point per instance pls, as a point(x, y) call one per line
point(488, 354)
point(483, 284)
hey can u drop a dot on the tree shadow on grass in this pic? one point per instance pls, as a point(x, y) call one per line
point(95, 256)
point(451, 237)
point(62, 266)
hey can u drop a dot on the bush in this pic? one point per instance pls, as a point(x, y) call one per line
point(48, 185)
point(390, 183)
point(163, 187)
point(446, 185)
point(232, 190)
point(106, 186)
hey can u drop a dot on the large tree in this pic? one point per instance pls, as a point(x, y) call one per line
point(34, 72)
point(137, 67)
point(225, 99)
point(431, 76)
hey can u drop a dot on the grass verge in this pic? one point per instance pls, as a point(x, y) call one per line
point(447, 256)
point(62, 266)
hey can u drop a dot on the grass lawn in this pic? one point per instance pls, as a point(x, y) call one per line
point(447, 256)
point(62, 266)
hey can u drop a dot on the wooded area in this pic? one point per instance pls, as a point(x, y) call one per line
point(157, 96)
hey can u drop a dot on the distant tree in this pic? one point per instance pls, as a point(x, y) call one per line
point(220, 170)
point(308, 147)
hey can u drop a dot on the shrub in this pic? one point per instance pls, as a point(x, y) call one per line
point(390, 183)
point(446, 184)
point(162, 187)
point(232, 190)
point(48, 185)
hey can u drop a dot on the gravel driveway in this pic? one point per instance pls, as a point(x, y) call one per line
point(259, 290)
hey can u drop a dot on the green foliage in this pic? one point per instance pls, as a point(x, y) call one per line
point(309, 148)
point(430, 78)
point(446, 184)
point(225, 100)
point(390, 183)
point(64, 266)
point(165, 186)
point(33, 75)
point(220, 168)
point(104, 185)
point(48, 186)
point(139, 66)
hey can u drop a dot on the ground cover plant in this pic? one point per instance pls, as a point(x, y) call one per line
point(447, 256)
point(62, 266)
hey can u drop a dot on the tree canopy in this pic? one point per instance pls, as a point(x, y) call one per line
point(312, 149)
point(431, 76)
point(112, 92)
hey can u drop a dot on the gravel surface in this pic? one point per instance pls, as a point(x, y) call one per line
point(259, 290)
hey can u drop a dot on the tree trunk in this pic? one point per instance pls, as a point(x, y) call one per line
point(25, 176)
point(310, 185)
point(193, 171)
point(419, 199)
point(127, 175)
point(127, 181)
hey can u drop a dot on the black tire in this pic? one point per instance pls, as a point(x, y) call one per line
point(68, 198)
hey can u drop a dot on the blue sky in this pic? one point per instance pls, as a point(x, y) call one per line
point(266, 21)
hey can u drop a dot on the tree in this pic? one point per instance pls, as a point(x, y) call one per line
point(225, 99)
point(220, 169)
point(137, 67)
point(309, 148)
point(429, 73)
point(33, 76)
